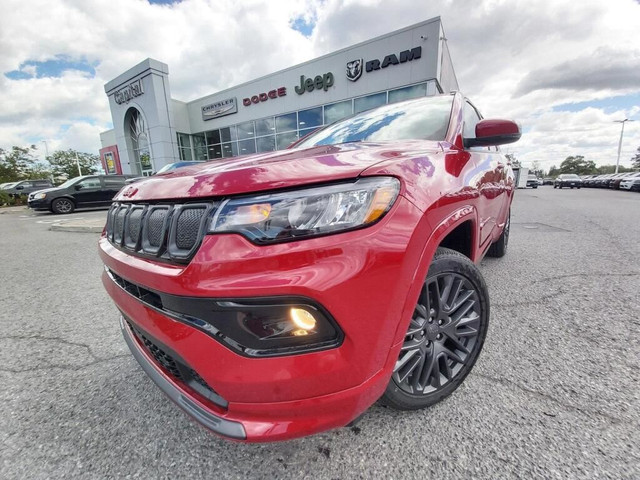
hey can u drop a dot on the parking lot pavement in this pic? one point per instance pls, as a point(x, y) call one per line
point(555, 393)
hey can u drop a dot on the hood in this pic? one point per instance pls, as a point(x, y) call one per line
point(45, 190)
point(273, 170)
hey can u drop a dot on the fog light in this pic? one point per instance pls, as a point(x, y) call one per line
point(302, 318)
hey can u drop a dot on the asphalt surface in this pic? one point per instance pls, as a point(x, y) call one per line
point(555, 393)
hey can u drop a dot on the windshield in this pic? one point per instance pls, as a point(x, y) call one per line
point(173, 166)
point(570, 175)
point(10, 185)
point(424, 119)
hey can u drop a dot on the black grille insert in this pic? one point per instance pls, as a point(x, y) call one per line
point(167, 232)
point(177, 367)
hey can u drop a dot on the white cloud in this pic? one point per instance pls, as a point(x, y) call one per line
point(516, 59)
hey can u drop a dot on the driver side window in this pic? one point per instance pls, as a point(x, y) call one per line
point(471, 119)
point(89, 183)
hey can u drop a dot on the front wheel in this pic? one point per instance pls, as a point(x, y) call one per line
point(445, 335)
point(62, 205)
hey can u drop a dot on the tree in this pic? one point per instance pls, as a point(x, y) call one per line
point(515, 163)
point(554, 171)
point(577, 165)
point(635, 160)
point(64, 163)
point(17, 163)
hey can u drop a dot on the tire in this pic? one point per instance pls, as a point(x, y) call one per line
point(499, 247)
point(440, 337)
point(62, 206)
point(555, 186)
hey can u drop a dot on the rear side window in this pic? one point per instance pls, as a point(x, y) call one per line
point(113, 181)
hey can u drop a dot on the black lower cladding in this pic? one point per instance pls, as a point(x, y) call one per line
point(249, 326)
point(176, 366)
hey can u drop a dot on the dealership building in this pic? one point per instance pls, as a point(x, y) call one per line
point(151, 129)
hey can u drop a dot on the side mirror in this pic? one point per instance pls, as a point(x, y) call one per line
point(78, 187)
point(20, 187)
point(492, 132)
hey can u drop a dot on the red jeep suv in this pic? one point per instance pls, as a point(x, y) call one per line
point(277, 295)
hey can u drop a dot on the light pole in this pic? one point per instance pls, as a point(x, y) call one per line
point(620, 143)
point(46, 154)
point(78, 164)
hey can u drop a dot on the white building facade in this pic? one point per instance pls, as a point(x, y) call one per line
point(151, 129)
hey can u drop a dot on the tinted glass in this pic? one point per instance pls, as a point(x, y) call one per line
point(283, 140)
point(285, 123)
point(266, 144)
point(310, 118)
point(183, 140)
point(213, 137)
point(113, 181)
point(407, 93)
point(93, 182)
point(246, 130)
point(228, 134)
point(215, 151)
point(337, 111)
point(229, 149)
point(265, 126)
point(471, 119)
point(245, 147)
point(419, 119)
point(367, 103)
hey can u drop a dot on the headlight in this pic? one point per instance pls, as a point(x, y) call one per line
point(307, 213)
point(39, 196)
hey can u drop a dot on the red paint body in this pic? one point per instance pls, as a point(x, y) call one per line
point(368, 279)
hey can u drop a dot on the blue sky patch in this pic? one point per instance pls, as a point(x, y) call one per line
point(163, 2)
point(51, 68)
point(608, 105)
point(302, 26)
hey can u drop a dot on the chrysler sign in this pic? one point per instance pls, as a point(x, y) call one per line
point(219, 109)
point(134, 89)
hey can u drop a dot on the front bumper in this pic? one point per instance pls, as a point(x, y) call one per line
point(42, 204)
point(361, 278)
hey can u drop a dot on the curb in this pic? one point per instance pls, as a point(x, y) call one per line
point(61, 227)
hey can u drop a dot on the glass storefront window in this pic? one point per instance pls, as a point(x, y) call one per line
point(307, 131)
point(283, 140)
point(285, 123)
point(185, 154)
point(370, 101)
point(213, 137)
point(266, 144)
point(228, 134)
point(337, 111)
point(215, 151)
point(183, 140)
point(407, 93)
point(245, 147)
point(265, 126)
point(310, 118)
point(246, 130)
point(229, 149)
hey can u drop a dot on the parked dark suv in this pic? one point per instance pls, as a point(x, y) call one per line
point(25, 187)
point(80, 192)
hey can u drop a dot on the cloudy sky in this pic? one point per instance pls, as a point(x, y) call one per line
point(565, 70)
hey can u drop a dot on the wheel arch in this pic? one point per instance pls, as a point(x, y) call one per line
point(462, 218)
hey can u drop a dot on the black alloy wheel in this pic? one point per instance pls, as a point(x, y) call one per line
point(445, 335)
point(62, 205)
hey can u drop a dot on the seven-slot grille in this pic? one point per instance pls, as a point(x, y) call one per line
point(168, 232)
